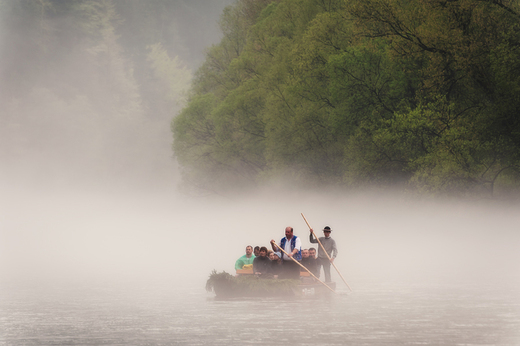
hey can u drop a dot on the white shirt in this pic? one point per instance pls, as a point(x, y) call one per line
point(297, 245)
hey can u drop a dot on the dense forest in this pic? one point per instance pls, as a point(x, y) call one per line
point(423, 95)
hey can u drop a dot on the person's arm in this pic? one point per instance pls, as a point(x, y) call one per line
point(311, 238)
point(297, 246)
point(239, 264)
point(273, 246)
point(334, 251)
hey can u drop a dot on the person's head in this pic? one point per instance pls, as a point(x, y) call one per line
point(256, 250)
point(289, 232)
point(263, 251)
point(249, 250)
point(305, 253)
point(272, 256)
point(312, 252)
point(326, 231)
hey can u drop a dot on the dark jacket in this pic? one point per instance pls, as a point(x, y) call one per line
point(261, 264)
point(311, 264)
point(275, 267)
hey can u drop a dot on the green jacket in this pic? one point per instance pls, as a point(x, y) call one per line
point(243, 261)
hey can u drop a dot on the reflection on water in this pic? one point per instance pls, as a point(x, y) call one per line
point(166, 314)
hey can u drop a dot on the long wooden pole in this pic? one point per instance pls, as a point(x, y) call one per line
point(301, 265)
point(318, 239)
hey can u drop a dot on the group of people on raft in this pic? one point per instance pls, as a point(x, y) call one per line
point(282, 264)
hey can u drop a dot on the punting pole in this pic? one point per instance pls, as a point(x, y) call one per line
point(301, 265)
point(318, 239)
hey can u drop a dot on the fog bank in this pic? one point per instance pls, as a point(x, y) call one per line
point(87, 234)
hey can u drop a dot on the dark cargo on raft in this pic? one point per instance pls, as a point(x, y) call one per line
point(245, 284)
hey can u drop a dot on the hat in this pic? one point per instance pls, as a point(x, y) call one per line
point(327, 228)
point(279, 254)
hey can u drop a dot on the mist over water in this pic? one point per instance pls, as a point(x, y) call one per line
point(82, 232)
point(84, 266)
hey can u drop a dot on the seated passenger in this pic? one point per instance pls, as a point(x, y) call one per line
point(246, 259)
point(276, 263)
point(261, 263)
point(312, 263)
point(305, 260)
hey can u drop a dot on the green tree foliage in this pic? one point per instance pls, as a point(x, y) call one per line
point(422, 93)
point(174, 76)
point(464, 147)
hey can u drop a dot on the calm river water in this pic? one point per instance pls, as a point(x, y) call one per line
point(164, 313)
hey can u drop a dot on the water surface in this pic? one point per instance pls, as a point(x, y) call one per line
point(166, 313)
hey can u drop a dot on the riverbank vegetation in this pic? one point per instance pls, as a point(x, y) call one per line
point(418, 94)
